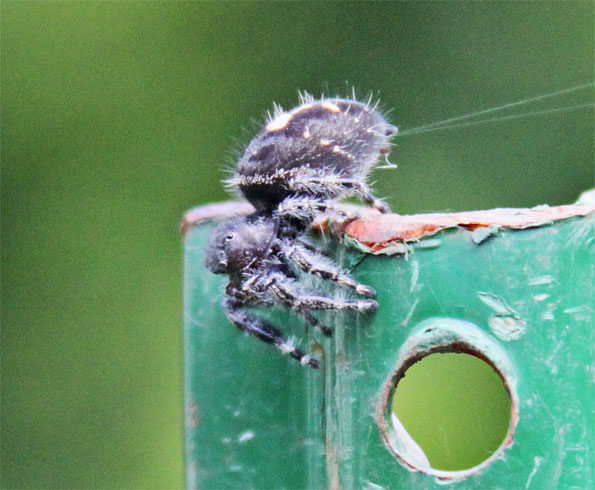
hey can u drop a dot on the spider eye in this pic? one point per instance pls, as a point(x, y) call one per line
point(229, 237)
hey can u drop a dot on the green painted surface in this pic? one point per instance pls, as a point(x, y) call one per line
point(251, 404)
point(263, 421)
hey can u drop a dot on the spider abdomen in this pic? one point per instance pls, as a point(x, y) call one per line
point(299, 151)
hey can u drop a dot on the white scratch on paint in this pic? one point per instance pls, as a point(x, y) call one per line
point(548, 314)
point(536, 281)
point(246, 436)
point(505, 322)
point(410, 312)
point(541, 297)
point(414, 275)
point(536, 463)
point(580, 313)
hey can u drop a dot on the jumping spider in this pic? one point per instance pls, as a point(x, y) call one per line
point(299, 166)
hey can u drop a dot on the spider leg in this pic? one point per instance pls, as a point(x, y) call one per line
point(335, 185)
point(319, 266)
point(305, 209)
point(312, 320)
point(264, 331)
point(366, 195)
point(286, 290)
point(249, 298)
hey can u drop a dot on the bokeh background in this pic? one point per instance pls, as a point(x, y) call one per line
point(119, 116)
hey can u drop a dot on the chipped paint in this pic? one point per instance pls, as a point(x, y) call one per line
point(540, 297)
point(507, 327)
point(246, 436)
point(392, 234)
point(393, 248)
point(580, 313)
point(483, 233)
point(427, 244)
point(496, 303)
point(377, 233)
point(505, 322)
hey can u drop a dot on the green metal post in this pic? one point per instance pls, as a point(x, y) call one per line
point(513, 287)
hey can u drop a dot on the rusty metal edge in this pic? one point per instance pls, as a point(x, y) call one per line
point(375, 231)
point(218, 210)
point(228, 209)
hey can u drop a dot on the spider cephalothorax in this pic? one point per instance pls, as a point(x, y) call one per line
point(296, 168)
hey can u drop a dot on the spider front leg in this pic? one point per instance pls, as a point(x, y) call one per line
point(287, 291)
point(366, 195)
point(312, 320)
point(320, 266)
point(264, 331)
point(250, 296)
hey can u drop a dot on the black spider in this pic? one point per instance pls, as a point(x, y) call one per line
point(300, 164)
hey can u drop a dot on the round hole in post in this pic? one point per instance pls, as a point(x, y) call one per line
point(455, 407)
point(438, 349)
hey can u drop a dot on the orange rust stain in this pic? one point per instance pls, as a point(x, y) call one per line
point(379, 233)
point(382, 230)
point(193, 417)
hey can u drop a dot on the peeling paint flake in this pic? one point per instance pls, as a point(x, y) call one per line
point(496, 303)
point(427, 244)
point(483, 233)
point(507, 327)
point(378, 232)
point(505, 322)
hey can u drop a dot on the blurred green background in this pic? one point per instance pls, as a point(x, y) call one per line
point(119, 116)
